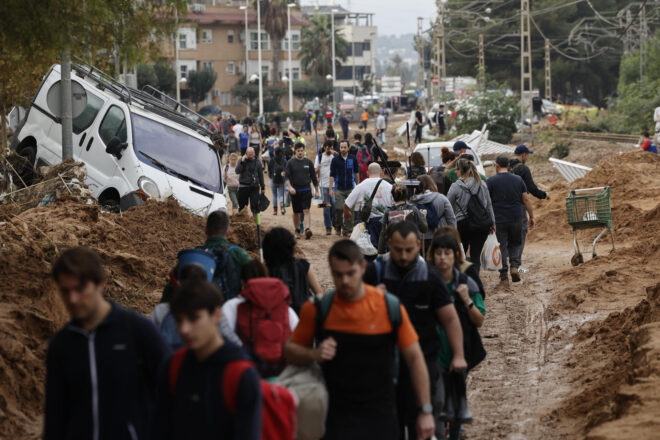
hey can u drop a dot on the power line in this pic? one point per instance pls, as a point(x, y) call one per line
point(564, 54)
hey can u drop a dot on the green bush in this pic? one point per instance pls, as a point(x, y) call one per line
point(559, 150)
point(494, 109)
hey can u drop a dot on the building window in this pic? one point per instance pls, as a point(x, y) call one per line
point(207, 65)
point(230, 36)
point(207, 36)
point(241, 67)
point(360, 48)
point(230, 68)
point(254, 40)
point(264, 74)
point(346, 72)
point(183, 41)
point(183, 73)
point(225, 98)
point(296, 73)
point(295, 41)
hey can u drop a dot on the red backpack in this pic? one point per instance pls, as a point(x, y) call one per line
point(279, 413)
point(263, 322)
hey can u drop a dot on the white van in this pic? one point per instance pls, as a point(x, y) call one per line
point(432, 152)
point(134, 145)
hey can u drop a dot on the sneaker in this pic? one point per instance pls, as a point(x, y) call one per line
point(308, 234)
point(338, 230)
point(275, 211)
point(283, 210)
point(328, 231)
point(515, 276)
point(523, 270)
point(297, 234)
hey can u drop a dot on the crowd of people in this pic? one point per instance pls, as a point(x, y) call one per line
point(393, 341)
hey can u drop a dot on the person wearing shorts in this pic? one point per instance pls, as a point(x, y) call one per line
point(300, 175)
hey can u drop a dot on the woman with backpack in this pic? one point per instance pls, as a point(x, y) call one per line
point(438, 209)
point(418, 165)
point(475, 218)
point(400, 211)
point(276, 172)
point(279, 247)
point(445, 254)
point(377, 153)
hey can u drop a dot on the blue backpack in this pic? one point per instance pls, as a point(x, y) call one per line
point(652, 148)
point(432, 218)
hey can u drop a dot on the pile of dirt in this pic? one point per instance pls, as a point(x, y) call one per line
point(634, 189)
point(138, 247)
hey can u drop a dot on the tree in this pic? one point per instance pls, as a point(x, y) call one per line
point(398, 68)
point(316, 86)
point(316, 47)
point(274, 14)
point(200, 84)
point(166, 77)
point(146, 76)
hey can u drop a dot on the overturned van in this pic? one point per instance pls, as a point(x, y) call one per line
point(135, 145)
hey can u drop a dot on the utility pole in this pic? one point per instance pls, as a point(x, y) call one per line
point(482, 65)
point(420, 51)
point(442, 74)
point(525, 68)
point(627, 45)
point(548, 77)
point(643, 38)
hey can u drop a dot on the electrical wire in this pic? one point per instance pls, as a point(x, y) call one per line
point(564, 54)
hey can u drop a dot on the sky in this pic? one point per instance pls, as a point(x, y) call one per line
point(393, 17)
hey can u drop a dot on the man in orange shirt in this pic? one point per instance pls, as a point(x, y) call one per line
point(356, 340)
point(364, 118)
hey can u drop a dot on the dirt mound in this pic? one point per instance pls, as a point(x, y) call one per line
point(634, 189)
point(138, 248)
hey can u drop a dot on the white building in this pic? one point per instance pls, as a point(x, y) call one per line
point(358, 30)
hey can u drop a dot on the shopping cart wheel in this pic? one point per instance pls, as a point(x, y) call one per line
point(577, 259)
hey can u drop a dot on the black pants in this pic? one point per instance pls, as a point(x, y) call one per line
point(472, 240)
point(418, 133)
point(407, 406)
point(510, 236)
point(249, 194)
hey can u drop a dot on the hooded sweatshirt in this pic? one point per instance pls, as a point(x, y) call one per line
point(197, 410)
point(459, 197)
point(100, 383)
point(442, 207)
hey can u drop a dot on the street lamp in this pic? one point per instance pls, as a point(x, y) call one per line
point(288, 17)
point(332, 31)
point(261, 85)
point(245, 40)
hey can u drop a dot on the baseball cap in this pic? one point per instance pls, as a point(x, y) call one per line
point(521, 149)
point(460, 145)
point(502, 160)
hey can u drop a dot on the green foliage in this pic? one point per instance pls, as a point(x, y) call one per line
point(559, 150)
point(316, 47)
point(146, 76)
point(494, 109)
point(200, 83)
point(314, 87)
point(272, 95)
point(166, 77)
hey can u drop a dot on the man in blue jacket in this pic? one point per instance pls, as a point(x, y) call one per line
point(344, 175)
point(101, 367)
point(192, 397)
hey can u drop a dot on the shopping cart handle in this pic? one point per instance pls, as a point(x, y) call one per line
point(573, 191)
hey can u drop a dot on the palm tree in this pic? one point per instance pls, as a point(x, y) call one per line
point(316, 47)
point(274, 13)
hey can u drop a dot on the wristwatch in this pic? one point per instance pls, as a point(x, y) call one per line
point(427, 408)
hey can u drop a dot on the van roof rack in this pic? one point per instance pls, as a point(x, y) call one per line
point(151, 99)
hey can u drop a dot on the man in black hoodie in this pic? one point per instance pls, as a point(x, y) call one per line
point(250, 178)
point(101, 367)
point(192, 396)
point(518, 167)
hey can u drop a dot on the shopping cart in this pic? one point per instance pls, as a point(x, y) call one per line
point(589, 208)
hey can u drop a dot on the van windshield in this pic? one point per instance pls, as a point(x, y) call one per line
point(436, 156)
point(176, 153)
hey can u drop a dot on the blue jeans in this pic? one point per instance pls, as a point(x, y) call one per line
point(278, 190)
point(328, 211)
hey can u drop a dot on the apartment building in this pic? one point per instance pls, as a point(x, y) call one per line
point(358, 30)
point(212, 36)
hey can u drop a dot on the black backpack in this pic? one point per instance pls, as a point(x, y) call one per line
point(227, 275)
point(478, 216)
point(278, 169)
point(298, 284)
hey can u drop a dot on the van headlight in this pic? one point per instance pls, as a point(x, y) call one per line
point(149, 187)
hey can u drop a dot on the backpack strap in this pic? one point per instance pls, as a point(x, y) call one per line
point(231, 379)
point(175, 367)
point(322, 310)
point(378, 265)
point(394, 313)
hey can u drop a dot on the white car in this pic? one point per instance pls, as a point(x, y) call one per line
point(133, 145)
point(432, 152)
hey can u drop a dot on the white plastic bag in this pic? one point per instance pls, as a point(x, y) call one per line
point(361, 236)
point(491, 257)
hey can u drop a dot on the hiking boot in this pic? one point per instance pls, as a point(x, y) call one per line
point(338, 230)
point(504, 276)
point(328, 231)
point(308, 234)
point(515, 276)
